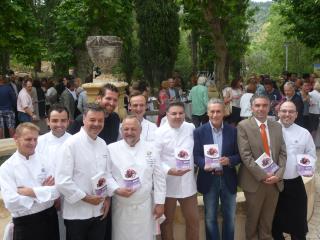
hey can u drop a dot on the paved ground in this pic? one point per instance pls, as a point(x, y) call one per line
point(314, 223)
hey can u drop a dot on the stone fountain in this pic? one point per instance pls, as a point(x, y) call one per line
point(105, 51)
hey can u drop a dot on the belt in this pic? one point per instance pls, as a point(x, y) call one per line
point(217, 173)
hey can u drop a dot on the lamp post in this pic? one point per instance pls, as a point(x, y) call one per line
point(286, 45)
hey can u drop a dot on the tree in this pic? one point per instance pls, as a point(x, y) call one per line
point(303, 19)
point(226, 22)
point(19, 33)
point(76, 20)
point(158, 36)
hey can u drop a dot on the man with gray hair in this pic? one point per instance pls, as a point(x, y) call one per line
point(199, 99)
point(291, 95)
point(137, 170)
point(217, 181)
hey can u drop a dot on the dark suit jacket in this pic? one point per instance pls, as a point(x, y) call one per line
point(203, 136)
point(67, 100)
point(297, 100)
point(251, 176)
point(176, 92)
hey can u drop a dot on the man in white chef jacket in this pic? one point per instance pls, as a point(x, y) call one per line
point(85, 159)
point(136, 169)
point(50, 145)
point(174, 142)
point(137, 107)
point(28, 190)
point(291, 212)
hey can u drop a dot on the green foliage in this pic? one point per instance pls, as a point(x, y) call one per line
point(303, 20)
point(158, 35)
point(75, 20)
point(266, 54)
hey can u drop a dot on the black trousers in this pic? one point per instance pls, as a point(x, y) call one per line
point(86, 229)
point(198, 120)
point(38, 226)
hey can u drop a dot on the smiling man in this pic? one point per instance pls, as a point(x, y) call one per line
point(85, 157)
point(256, 136)
point(138, 106)
point(217, 185)
point(172, 139)
point(50, 145)
point(27, 188)
point(144, 204)
point(291, 214)
point(107, 99)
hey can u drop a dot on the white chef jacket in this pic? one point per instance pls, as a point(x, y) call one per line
point(298, 141)
point(144, 159)
point(50, 146)
point(167, 140)
point(18, 171)
point(82, 158)
point(148, 130)
point(138, 208)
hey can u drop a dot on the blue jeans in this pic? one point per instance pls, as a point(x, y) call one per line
point(24, 117)
point(218, 189)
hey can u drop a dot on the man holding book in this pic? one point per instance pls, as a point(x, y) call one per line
point(261, 145)
point(140, 191)
point(291, 212)
point(216, 154)
point(82, 176)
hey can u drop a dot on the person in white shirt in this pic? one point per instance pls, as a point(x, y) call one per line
point(132, 208)
point(27, 188)
point(24, 103)
point(85, 158)
point(245, 101)
point(50, 144)
point(291, 212)
point(174, 142)
point(137, 107)
point(314, 109)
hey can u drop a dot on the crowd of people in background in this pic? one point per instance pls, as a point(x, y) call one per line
point(59, 185)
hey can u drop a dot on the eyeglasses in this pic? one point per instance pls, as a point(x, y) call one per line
point(287, 111)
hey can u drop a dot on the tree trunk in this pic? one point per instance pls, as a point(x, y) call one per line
point(220, 45)
point(236, 68)
point(4, 61)
point(83, 65)
point(194, 50)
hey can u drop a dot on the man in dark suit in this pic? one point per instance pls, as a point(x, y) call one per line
point(214, 183)
point(68, 98)
point(293, 96)
point(256, 136)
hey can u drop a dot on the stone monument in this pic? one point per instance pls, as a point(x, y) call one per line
point(105, 52)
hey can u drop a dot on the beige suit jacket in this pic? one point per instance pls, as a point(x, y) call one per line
point(251, 148)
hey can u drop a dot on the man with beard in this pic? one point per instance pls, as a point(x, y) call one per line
point(50, 143)
point(108, 99)
point(84, 160)
point(134, 159)
point(291, 212)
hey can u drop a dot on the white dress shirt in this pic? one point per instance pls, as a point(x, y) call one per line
point(82, 158)
point(298, 141)
point(167, 140)
point(245, 105)
point(50, 146)
point(18, 171)
point(24, 101)
point(314, 102)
